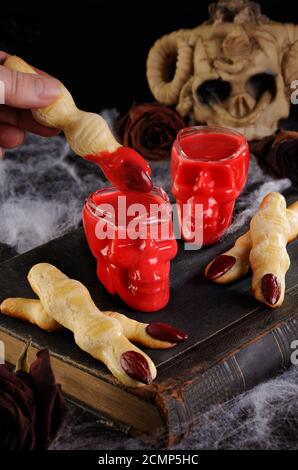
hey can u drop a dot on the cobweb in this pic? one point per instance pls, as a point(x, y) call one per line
point(42, 191)
point(264, 418)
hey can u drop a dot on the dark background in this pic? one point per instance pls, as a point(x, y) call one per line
point(99, 48)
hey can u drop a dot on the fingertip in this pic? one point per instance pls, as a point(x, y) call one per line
point(15, 139)
point(23, 119)
point(3, 56)
point(220, 266)
point(47, 132)
point(136, 366)
point(10, 136)
point(29, 91)
point(166, 332)
point(47, 89)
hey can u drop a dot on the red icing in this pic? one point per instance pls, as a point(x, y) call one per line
point(137, 270)
point(209, 167)
point(125, 169)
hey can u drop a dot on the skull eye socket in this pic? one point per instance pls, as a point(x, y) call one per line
point(212, 91)
point(258, 84)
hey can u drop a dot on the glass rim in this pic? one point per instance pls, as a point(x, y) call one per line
point(94, 209)
point(209, 129)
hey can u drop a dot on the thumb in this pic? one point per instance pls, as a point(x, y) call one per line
point(26, 90)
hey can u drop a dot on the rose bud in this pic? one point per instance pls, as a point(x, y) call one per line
point(150, 129)
point(31, 404)
point(278, 154)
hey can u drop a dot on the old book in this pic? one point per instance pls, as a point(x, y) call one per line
point(234, 342)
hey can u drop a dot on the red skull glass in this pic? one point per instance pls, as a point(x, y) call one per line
point(209, 168)
point(131, 236)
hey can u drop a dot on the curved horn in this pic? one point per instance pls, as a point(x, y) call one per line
point(290, 58)
point(290, 65)
point(201, 65)
point(171, 50)
point(185, 104)
point(287, 38)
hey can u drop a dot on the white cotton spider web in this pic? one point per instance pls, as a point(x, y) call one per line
point(42, 191)
point(264, 418)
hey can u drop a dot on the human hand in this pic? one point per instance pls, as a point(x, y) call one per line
point(22, 92)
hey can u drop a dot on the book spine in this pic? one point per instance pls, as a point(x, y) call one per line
point(256, 361)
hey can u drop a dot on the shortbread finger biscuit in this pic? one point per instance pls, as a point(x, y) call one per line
point(234, 263)
point(30, 310)
point(69, 303)
point(269, 232)
point(152, 335)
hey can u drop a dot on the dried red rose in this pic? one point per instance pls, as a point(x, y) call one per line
point(31, 405)
point(279, 153)
point(150, 129)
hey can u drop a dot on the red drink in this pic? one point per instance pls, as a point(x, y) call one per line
point(133, 258)
point(209, 167)
point(124, 168)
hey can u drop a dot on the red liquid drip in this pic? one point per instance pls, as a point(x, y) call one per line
point(125, 169)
